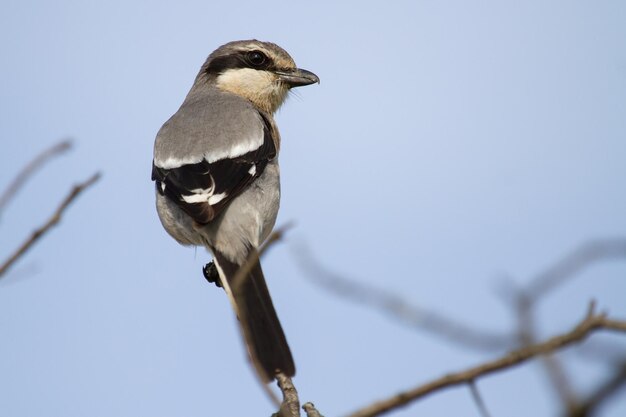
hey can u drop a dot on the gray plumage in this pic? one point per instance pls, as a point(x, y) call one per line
point(203, 127)
point(217, 178)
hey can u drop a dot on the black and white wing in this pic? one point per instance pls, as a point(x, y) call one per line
point(205, 188)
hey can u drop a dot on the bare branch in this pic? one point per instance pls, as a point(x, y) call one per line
point(573, 263)
point(588, 325)
point(310, 410)
point(478, 399)
point(617, 325)
point(53, 220)
point(560, 380)
point(405, 312)
point(523, 301)
point(525, 298)
point(601, 351)
point(554, 369)
point(604, 391)
point(30, 168)
point(290, 406)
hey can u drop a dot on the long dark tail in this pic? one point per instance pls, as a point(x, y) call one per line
point(263, 334)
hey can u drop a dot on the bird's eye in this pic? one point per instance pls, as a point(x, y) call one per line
point(256, 58)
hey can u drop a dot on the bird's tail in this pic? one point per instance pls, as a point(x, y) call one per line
point(263, 334)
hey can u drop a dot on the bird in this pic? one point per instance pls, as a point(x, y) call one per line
point(216, 174)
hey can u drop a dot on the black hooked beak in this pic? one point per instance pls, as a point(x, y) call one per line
point(297, 77)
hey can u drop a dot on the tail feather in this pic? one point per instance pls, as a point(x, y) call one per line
point(263, 334)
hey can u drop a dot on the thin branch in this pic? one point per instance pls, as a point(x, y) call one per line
point(478, 399)
point(30, 169)
point(405, 312)
point(588, 325)
point(573, 263)
point(560, 380)
point(601, 351)
point(611, 386)
point(53, 220)
point(617, 325)
point(310, 410)
point(524, 300)
point(554, 369)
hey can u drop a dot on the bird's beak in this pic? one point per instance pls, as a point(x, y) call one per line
point(297, 77)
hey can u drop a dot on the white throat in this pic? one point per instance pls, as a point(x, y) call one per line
point(261, 87)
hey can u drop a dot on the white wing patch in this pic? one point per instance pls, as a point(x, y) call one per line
point(196, 198)
point(214, 199)
point(241, 148)
point(172, 163)
point(204, 196)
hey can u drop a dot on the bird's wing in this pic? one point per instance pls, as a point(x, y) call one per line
point(203, 183)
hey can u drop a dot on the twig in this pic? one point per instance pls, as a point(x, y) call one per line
point(290, 406)
point(478, 399)
point(53, 220)
point(588, 325)
point(30, 168)
point(310, 410)
point(576, 261)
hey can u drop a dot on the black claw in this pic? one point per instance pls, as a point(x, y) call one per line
point(211, 274)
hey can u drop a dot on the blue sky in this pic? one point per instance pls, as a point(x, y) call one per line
point(449, 144)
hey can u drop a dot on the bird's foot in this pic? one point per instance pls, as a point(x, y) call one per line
point(211, 274)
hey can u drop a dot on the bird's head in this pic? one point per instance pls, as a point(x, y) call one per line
point(261, 72)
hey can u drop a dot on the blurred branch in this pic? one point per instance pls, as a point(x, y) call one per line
point(30, 168)
point(560, 380)
point(405, 312)
point(589, 324)
point(604, 391)
point(453, 330)
point(572, 264)
point(525, 298)
point(522, 300)
point(555, 371)
point(53, 220)
point(601, 351)
point(478, 399)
